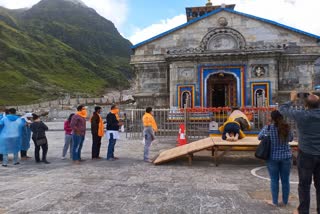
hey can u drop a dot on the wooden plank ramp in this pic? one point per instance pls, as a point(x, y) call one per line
point(185, 150)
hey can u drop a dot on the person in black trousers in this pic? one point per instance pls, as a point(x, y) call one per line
point(97, 131)
point(38, 129)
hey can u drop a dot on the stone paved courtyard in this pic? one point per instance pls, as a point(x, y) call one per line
point(130, 185)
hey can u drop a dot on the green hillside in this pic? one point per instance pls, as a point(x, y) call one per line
point(59, 47)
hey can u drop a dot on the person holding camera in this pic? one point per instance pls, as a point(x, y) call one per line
point(308, 161)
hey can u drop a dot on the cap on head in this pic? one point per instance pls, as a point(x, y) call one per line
point(28, 115)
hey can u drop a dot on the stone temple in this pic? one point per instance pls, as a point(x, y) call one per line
point(222, 57)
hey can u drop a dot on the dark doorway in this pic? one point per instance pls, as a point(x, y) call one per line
point(219, 95)
point(221, 90)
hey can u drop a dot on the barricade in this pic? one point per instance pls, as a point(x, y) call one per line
point(197, 121)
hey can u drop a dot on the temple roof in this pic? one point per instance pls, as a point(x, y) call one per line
point(195, 12)
point(231, 11)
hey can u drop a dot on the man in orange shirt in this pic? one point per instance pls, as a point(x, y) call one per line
point(150, 126)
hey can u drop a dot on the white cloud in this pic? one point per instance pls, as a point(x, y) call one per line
point(113, 10)
point(300, 14)
point(140, 35)
point(15, 4)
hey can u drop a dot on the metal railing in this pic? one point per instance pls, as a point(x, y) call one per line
point(198, 121)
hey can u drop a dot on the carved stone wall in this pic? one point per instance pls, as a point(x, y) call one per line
point(282, 58)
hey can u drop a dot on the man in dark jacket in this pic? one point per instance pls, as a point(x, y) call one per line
point(97, 131)
point(308, 161)
point(113, 125)
point(39, 129)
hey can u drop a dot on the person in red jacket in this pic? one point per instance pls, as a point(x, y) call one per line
point(67, 138)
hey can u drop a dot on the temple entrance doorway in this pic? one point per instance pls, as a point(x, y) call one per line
point(222, 90)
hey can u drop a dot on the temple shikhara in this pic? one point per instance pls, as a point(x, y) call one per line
point(222, 57)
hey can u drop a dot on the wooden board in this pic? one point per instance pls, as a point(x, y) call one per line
point(247, 141)
point(184, 150)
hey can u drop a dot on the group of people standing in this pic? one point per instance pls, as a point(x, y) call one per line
point(308, 160)
point(75, 128)
point(15, 136)
point(16, 133)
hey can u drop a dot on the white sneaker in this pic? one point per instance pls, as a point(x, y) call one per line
point(63, 158)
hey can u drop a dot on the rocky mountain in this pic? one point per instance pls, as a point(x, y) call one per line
point(59, 47)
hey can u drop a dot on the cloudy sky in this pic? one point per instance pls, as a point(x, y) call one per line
point(138, 20)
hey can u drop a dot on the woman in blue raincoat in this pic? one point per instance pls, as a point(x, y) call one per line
point(26, 136)
point(11, 136)
point(1, 116)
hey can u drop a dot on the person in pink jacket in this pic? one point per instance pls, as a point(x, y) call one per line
point(67, 138)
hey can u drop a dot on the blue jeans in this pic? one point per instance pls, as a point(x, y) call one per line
point(77, 146)
point(67, 143)
point(279, 169)
point(5, 158)
point(308, 166)
point(112, 143)
point(148, 138)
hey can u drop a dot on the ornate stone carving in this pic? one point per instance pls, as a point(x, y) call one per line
point(222, 39)
point(259, 71)
point(222, 21)
point(222, 42)
point(185, 51)
point(185, 73)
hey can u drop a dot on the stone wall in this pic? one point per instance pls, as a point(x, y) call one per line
point(256, 34)
point(287, 57)
point(151, 84)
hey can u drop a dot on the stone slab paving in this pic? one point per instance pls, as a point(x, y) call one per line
point(130, 185)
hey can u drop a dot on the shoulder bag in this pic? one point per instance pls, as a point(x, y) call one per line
point(264, 148)
point(40, 141)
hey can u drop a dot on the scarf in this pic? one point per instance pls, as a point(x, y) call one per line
point(82, 113)
point(101, 127)
point(115, 112)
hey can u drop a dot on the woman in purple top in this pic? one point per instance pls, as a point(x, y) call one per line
point(279, 163)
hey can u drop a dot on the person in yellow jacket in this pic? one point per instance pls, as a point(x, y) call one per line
point(150, 127)
point(97, 131)
point(232, 129)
